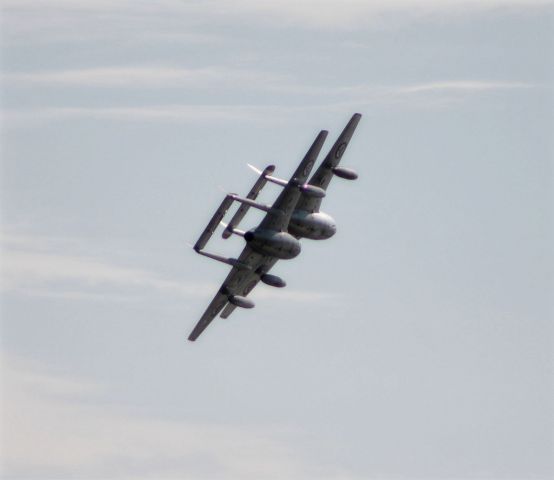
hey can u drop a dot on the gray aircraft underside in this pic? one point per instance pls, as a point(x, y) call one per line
point(295, 214)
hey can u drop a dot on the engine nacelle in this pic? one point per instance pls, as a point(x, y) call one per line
point(316, 226)
point(312, 190)
point(273, 280)
point(276, 244)
point(345, 173)
point(306, 188)
point(241, 302)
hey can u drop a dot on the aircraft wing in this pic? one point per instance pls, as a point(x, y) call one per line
point(248, 284)
point(237, 277)
point(279, 216)
point(211, 312)
point(324, 173)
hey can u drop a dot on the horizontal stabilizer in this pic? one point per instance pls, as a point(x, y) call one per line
point(214, 222)
point(252, 195)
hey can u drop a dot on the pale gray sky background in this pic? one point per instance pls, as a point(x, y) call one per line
point(416, 343)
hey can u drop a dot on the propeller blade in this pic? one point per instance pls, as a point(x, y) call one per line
point(256, 169)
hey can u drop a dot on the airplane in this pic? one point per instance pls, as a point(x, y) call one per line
point(295, 214)
point(307, 221)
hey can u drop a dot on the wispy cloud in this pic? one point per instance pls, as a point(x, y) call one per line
point(437, 94)
point(329, 14)
point(25, 269)
point(356, 5)
point(37, 268)
point(141, 77)
point(225, 77)
point(58, 426)
point(324, 14)
point(374, 93)
point(462, 86)
point(153, 113)
point(428, 95)
point(103, 21)
point(47, 267)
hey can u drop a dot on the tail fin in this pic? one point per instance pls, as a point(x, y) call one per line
point(252, 195)
point(214, 222)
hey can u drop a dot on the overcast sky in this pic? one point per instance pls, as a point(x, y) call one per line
point(415, 343)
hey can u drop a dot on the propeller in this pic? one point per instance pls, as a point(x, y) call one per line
point(256, 169)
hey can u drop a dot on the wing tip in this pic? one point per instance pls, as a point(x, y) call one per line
point(355, 119)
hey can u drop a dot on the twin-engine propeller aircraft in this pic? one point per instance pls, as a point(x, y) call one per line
point(295, 214)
